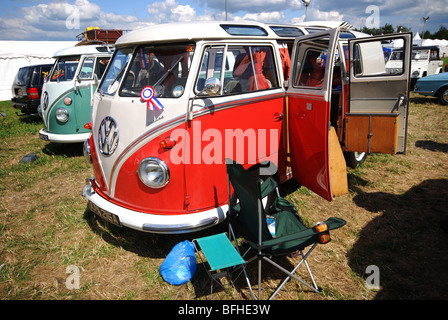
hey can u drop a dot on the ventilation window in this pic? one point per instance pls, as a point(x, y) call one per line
point(238, 30)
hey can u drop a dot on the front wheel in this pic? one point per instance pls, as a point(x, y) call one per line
point(354, 158)
point(443, 96)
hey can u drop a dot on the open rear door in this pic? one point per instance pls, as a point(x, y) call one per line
point(377, 114)
point(308, 106)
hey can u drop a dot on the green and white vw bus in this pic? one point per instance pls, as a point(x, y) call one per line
point(67, 93)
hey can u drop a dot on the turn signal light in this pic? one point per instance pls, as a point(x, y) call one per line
point(88, 126)
point(167, 143)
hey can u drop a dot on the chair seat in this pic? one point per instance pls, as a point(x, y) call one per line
point(219, 252)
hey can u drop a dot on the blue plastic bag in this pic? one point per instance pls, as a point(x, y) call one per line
point(180, 264)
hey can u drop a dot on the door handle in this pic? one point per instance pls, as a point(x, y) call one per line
point(278, 117)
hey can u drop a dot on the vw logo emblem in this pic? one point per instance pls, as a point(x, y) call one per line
point(108, 136)
point(45, 100)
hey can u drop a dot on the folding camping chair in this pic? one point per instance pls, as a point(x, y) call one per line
point(248, 217)
point(221, 256)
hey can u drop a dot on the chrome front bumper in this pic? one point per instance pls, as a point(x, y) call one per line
point(165, 224)
point(63, 138)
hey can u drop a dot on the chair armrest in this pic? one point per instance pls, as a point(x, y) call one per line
point(305, 234)
point(332, 223)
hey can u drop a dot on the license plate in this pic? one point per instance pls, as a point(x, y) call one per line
point(43, 137)
point(105, 215)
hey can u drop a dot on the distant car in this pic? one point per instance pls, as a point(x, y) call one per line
point(27, 87)
point(425, 62)
point(435, 85)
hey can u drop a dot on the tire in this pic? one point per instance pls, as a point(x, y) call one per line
point(442, 95)
point(354, 159)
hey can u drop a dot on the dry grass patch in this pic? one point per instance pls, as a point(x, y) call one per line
point(396, 212)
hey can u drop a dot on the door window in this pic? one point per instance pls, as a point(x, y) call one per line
point(87, 69)
point(311, 62)
point(240, 69)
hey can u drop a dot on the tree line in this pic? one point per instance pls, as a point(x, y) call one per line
point(442, 33)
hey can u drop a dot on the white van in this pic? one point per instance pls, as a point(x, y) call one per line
point(177, 99)
point(67, 93)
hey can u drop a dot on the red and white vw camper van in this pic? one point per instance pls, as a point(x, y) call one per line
point(177, 99)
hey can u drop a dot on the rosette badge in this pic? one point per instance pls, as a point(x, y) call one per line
point(147, 94)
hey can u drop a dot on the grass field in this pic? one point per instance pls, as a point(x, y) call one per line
point(396, 212)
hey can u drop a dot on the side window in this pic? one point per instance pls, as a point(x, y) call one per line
point(101, 64)
point(434, 55)
point(211, 66)
point(87, 68)
point(245, 68)
point(372, 59)
point(36, 79)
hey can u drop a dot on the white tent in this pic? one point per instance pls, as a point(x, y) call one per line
point(17, 54)
point(442, 44)
point(417, 41)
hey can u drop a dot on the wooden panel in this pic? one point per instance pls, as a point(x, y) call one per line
point(356, 133)
point(372, 133)
point(338, 167)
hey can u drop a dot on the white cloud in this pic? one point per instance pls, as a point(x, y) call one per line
point(316, 14)
point(63, 21)
point(268, 17)
point(56, 19)
point(170, 11)
point(253, 6)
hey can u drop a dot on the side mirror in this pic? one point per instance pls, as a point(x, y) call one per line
point(212, 87)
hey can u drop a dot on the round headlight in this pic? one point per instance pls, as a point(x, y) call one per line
point(61, 114)
point(153, 172)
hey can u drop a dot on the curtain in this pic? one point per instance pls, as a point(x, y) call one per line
point(259, 79)
point(286, 60)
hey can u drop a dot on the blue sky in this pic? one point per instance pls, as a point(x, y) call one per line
point(64, 20)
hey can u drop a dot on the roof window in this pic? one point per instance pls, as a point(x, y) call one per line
point(241, 30)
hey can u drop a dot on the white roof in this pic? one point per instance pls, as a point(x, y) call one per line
point(188, 31)
point(89, 49)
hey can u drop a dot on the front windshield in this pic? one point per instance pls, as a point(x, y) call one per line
point(165, 68)
point(65, 68)
point(115, 72)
